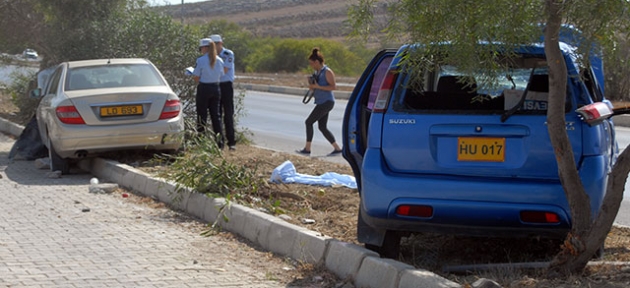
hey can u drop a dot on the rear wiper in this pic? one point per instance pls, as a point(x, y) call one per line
point(509, 77)
point(513, 110)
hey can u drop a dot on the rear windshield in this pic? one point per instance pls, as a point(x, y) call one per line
point(112, 76)
point(448, 90)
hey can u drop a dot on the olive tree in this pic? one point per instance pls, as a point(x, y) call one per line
point(514, 22)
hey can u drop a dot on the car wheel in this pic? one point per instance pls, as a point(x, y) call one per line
point(56, 162)
point(391, 245)
point(599, 254)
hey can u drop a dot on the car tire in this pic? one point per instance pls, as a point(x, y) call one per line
point(56, 162)
point(599, 254)
point(390, 247)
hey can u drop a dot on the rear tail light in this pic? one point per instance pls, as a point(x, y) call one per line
point(540, 217)
point(595, 113)
point(424, 211)
point(171, 109)
point(69, 115)
point(387, 87)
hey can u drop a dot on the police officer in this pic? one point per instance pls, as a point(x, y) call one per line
point(227, 89)
point(207, 73)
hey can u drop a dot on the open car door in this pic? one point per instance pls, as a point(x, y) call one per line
point(359, 110)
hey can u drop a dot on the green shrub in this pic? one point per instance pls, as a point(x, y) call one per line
point(21, 84)
point(203, 168)
point(273, 55)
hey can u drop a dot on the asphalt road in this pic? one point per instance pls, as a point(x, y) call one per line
point(277, 122)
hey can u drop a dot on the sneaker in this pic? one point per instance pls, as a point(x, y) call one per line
point(335, 153)
point(232, 148)
point(303, 152)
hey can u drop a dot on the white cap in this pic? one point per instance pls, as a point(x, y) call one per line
point(216, 38)
point(204, 42)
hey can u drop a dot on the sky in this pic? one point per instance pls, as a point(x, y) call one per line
point(171, 2)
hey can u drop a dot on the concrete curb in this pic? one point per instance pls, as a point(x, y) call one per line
point(11, 128)
point(348, 261)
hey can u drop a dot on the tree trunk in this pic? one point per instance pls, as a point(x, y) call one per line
point(579, 201)
point(586, 236)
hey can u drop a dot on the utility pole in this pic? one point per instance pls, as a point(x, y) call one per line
point(182, 12)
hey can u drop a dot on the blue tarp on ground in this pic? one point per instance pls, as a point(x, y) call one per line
point(286, 173)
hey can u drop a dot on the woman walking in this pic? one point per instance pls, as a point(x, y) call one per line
point(207, 73)
point(322, 83)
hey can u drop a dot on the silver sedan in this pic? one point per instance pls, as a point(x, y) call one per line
point(104, 105)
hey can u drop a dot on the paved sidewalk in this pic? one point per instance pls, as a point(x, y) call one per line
point(47, 240)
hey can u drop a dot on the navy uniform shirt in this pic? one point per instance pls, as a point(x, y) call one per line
point(206, 73)
point(228, 59)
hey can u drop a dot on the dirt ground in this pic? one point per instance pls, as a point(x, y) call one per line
point(334, 211)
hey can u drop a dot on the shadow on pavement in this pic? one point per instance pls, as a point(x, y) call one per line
point(24, 172)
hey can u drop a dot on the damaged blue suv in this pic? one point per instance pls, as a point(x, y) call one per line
point(450, 154)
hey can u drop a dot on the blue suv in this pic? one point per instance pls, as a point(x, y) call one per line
point(451, 154)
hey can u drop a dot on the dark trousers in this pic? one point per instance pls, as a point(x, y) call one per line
point(320, 115)
point(207, 100)
point(227, 105)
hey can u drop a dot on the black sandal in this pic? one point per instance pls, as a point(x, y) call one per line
point(303, 152)
point(335, 152)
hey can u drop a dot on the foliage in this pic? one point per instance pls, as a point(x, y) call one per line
point(19, 91)
point(432, 21)
point(67, 29)
point(617, 82)
point(129, 29)
point(234, 38)
point(290, 55)
point(204, 169)
point(239, 111)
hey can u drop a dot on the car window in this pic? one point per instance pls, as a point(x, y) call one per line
point(53, 84)
point(446, 89)
point(112, 76)
point(587, 78)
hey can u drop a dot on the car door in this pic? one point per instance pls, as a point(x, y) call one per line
point(359, 110)
point(44, 108)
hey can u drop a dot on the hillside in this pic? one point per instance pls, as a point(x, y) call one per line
point(277, 18)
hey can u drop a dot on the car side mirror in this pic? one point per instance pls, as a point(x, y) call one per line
point(35, 93)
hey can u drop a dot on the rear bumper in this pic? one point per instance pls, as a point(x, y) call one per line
point(472, 219)
point(159, 135)
point(461, 205)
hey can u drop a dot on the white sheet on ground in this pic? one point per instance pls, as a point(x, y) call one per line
point(286, 173)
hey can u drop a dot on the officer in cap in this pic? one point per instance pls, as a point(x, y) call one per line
point(227, 89)
point(207, 74)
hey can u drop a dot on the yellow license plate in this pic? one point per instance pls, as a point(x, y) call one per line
point(481, 149)
point(121, 110)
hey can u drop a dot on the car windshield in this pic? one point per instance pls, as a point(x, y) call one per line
point(112, 76)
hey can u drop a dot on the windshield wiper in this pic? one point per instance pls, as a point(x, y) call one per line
point(513, 110)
